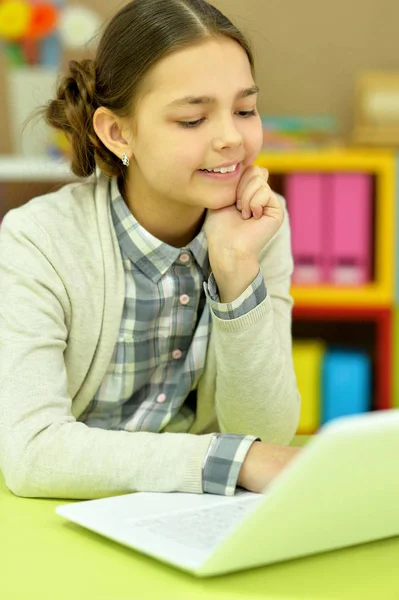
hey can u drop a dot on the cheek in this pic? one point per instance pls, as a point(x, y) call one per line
point(178, 154)
point(186, 158)
point(157, 160)
point(255, 139)
point(168, 170)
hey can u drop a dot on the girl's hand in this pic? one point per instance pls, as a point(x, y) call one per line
point(241, 231)
point(263, 463)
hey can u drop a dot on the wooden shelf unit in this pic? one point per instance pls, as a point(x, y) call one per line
point(375, 301)
point(379, 163)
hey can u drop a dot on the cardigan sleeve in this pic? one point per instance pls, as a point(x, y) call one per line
point(256, 391)
point(44, 451)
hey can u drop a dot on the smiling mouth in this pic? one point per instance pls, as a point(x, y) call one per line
point(222, 170)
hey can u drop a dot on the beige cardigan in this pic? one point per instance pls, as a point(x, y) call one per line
point(61, 300)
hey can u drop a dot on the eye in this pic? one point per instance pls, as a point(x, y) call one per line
point(189, 124)
point(247, 113)
point(242, 113)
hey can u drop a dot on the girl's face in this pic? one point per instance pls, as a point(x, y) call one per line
point(197, 111)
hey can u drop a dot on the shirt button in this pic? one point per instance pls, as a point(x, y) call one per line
point(184, 258)
point(177, 354)
point(161, 398)
point(184, 299)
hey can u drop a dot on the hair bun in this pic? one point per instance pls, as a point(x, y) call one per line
point(72, 111)
point(83, 79)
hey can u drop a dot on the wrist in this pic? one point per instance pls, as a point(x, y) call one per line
point(233, 278)
point(263, 463)
point(245, 476)
point(227, 263)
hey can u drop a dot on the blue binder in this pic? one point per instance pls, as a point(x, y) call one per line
point(346, 384)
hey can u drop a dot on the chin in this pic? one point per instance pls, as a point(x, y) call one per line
point(217, 202)
point(218, 205)
point(227, 202)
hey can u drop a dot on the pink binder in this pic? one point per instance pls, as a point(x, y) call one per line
point(304, 194)
point(349, 231)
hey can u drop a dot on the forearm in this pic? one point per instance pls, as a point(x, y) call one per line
point(70, 460)
point(45, 453)
point(256, 391)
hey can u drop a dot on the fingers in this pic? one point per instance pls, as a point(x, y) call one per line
point(265, 202)
point(255, 185)
point(250, 173)
point(258, 201)
point(256, 196)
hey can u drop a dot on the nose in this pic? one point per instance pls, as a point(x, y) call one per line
point(227, 135)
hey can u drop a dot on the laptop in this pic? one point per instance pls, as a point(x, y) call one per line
point(341, 490)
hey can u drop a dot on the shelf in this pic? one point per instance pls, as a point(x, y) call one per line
point(386, 377)
point(333, 311)
point(362, 296)
point(382, 164)
point(397, 231)
point(27, 168)
point(344, 159)
point(396, 358)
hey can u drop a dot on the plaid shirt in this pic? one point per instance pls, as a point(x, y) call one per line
point(161, 348)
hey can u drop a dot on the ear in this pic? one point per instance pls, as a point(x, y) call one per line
point(112, 132)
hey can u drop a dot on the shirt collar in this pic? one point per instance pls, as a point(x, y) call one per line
point(152, 256)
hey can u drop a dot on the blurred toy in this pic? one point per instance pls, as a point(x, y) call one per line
point(33, 33)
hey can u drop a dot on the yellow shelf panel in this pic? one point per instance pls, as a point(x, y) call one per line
point(368, 295)
point(385, 249)
point(326, 160)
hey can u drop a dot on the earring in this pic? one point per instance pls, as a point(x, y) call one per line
point(125, 160)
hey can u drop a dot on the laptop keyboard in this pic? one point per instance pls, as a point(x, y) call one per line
point(200, 529)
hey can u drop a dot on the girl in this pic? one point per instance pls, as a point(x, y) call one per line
point(145, 312)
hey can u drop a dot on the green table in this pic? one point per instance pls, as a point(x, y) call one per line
point(45, 557)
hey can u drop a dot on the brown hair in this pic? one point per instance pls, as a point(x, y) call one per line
point(138, 36)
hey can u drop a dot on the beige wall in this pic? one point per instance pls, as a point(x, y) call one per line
point(308, 52)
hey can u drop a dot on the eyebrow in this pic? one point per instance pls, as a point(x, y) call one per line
point(244, 93)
